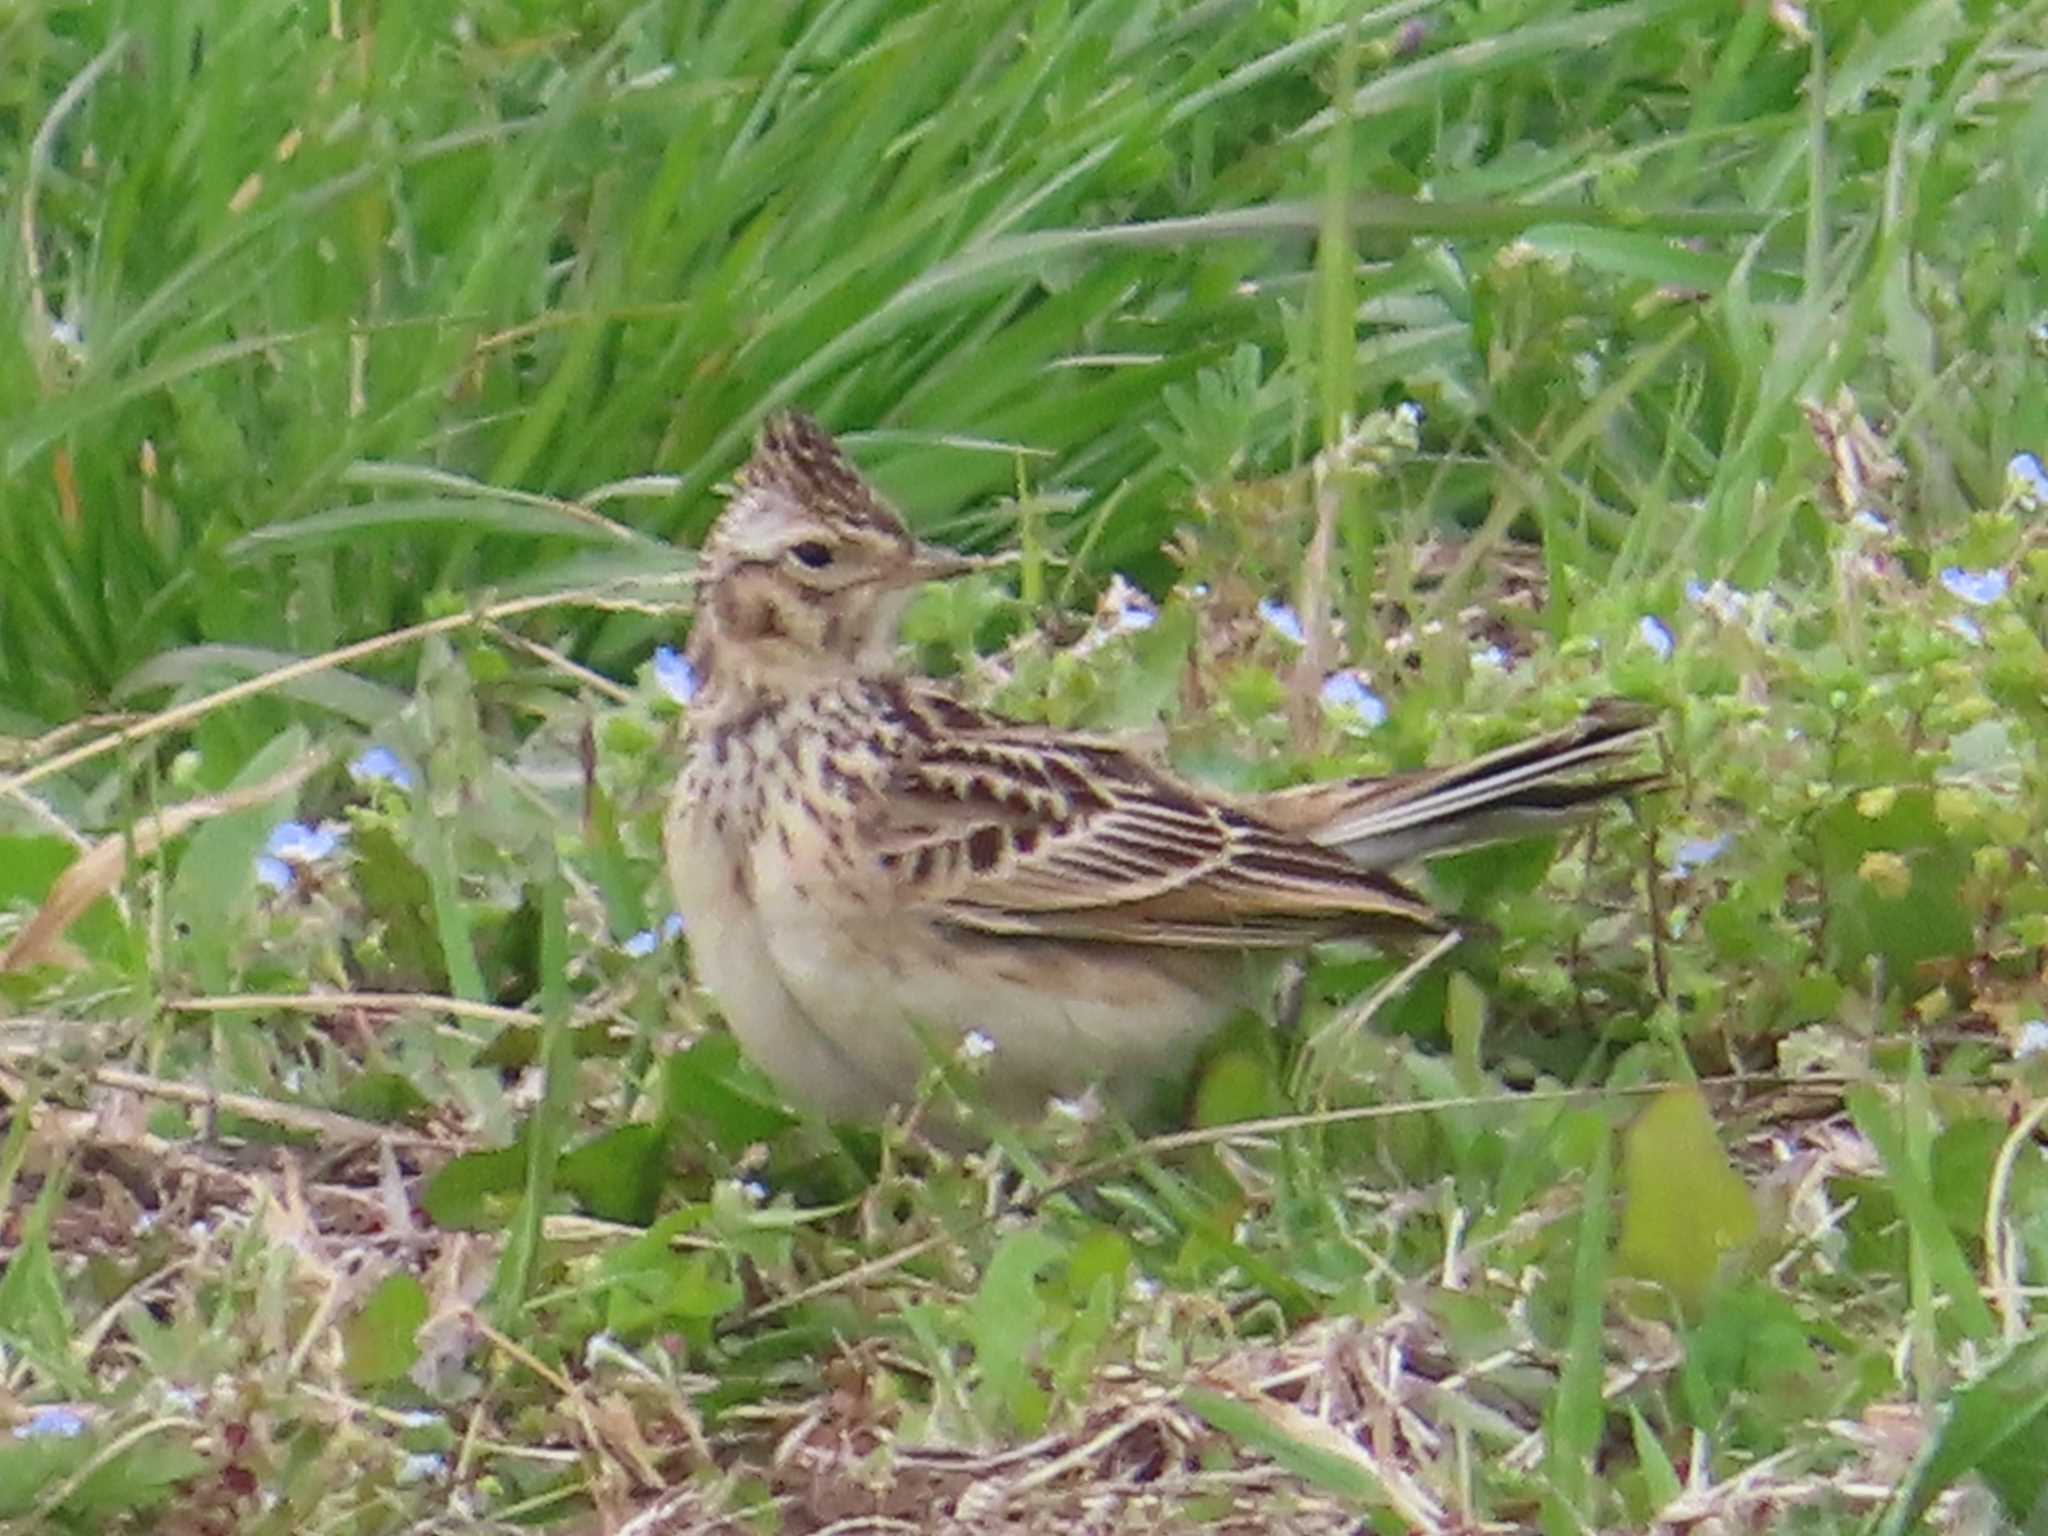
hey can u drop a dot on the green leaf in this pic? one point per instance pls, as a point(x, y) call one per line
point(649, 1284)
point(1009, 1321)
point(215, 886)
point(1910, 1183)
point(1906, 918)
point(32, 1310)
point(710, 1090)
point(618, 1176)
point(519, 1263)
point(130, 1483)
point(1996, 1427)
point(472, 1192)
point(29, 865)
point(1684, 1208)
point(1659, 1476)
point(385, 1097)
point(397, 898)
point(1284, 1434)
point(378, 1345)
point(1574, 1418)
point(619, 882)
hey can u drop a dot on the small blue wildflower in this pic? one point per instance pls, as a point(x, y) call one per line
point(380, 765)
point(1490, 657)
point(297, 843)
point(1731, 605)
point(1653, 633)
point(292, 845)
point(1347, 693)
point(51, 1424)
point(1411, 413)
point(674, 674)
point(642, 944)
point(672, 927)
point(1869, 522)
point(1965, 627)
point(421, 1467)
point(1125, 608)
point(1978, 588)
point(1282, 620)
point(1695, 852)
point(2027, 481)
point(2033, 1039)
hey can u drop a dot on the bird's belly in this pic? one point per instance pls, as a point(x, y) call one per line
point(735, 961)
point(1052, 1019)
point(842, 996)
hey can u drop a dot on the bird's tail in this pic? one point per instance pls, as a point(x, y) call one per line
point(1532, 787)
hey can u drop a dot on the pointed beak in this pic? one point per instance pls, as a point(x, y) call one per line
point(934, 562)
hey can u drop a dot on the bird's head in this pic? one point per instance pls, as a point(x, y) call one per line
point(805, 574)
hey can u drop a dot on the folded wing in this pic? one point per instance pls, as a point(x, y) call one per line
point(1001, 829)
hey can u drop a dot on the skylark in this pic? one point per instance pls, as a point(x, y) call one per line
point(869, 868)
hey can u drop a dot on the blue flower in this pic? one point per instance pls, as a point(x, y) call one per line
point(1282, 620)
point(675, 675)
point(2026, 480)
point(380, 765)
point(1125, 608)
point(1978, 588)
point(1869, 522)
point(293, 845)
point(1967, 628)
point(1347, 693)
point(1490, 656)
point(1696, 851)
point(1731, 605)
point(1653, 633)
point(297, 843)
point(51, 1424)
point(648, 940)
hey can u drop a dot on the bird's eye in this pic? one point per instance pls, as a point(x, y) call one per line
point(811, 553)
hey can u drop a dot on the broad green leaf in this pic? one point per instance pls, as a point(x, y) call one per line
point(619, 1174)
point(378, 1341)
point(1011, 1321)
point(1684, 1209)
point(473, 1192)
point(709, 1089)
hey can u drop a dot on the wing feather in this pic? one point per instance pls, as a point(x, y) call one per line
point(1003, 829)
point(1530, 787)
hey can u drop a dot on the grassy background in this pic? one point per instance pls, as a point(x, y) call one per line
point(1726, 323)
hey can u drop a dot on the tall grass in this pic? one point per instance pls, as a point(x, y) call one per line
point(262, 247)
